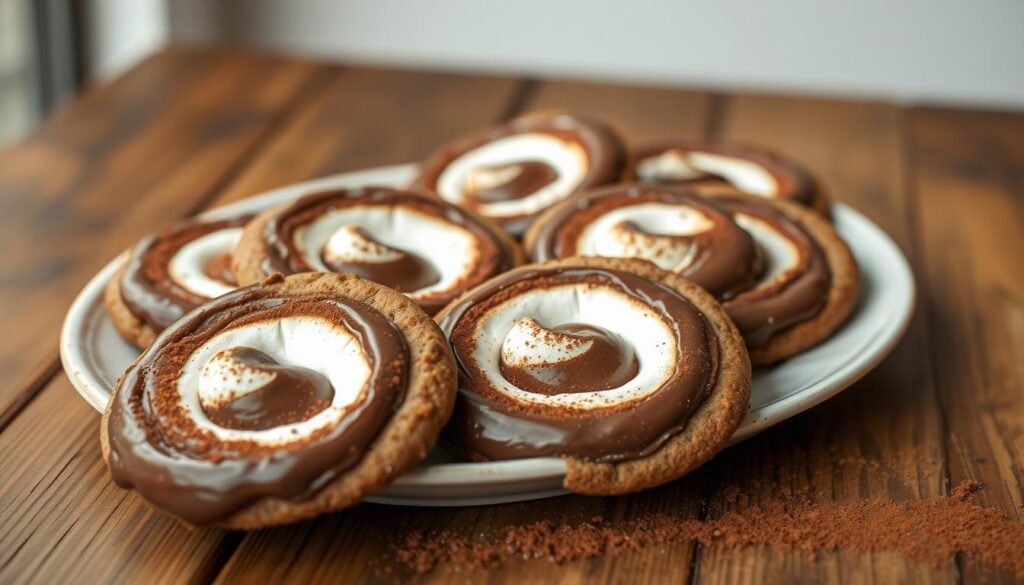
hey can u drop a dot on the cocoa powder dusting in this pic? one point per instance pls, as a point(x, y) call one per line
point(929, 531)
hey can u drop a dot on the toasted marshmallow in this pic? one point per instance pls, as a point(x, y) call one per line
point(780, 252)
point(511, 331)
point(186, 267)
point(225, 378)
point(350, 244)
point(529, 344)
point(211, 374)
point(499, 157)
point(653, 231)
point(377, 233)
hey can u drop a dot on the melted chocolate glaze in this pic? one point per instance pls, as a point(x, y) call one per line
point(528, 177)
point(795, 296)
point(607, 157)
point(147, 288)
point(294, 394)
point(490, 425)
point(608, 363)
point(285, 258)
point(726, 262)
point(409, 272)
point(156, 447)
point(792, 181)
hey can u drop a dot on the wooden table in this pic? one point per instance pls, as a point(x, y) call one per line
point(190, 129)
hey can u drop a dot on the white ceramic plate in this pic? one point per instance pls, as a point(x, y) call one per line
point(94, 356)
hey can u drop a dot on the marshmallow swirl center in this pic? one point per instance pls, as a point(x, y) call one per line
point(255, 394)
point(567, 160)
point(511, 329)
point(213, 375)
point(576, 359)
point(189, 267)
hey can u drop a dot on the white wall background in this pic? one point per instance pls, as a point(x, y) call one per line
point(121, 32)
point(957, 51)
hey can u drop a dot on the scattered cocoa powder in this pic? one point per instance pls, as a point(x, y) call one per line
point(928, 531)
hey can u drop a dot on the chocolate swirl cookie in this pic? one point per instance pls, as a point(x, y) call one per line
point(280, 401)
point(630, 373)
point(419, 245)
point(513, 172)
point(781, 271)
point(714, 166)
point(171, 272)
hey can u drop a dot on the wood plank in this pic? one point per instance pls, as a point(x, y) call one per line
point(62, 515)
point(63, 519)
point(116, 163)
point(640, 113)
point(882, 437)
point(355, 546)
point(374, 117)
point(969, 180)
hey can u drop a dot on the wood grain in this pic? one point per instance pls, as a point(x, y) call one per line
point(355, 546)
point(879, 438)
point(640, 113)
point(194, 127)
point(63, 520)
point(969, 181)
point(112, 165)
point(372, 117)
point(113, 535)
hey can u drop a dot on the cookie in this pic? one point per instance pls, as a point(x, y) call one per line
point(280, 401)
point(417, 244)
point(632, 374)
point(711, 166)
point(781, 271)
point(513, 172)
point(169, 273)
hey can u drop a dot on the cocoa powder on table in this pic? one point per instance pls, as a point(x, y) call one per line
point(928, 531)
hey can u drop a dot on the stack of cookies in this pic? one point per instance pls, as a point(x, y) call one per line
point(541, 289)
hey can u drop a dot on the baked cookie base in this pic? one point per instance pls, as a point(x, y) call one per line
point(709, 428)
point(403, 441)
point(842, 296)
point(131, 328)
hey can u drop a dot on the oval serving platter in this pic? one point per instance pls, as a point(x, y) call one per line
point(94, 356)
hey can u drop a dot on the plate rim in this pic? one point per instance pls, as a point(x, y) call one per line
point(901, 292)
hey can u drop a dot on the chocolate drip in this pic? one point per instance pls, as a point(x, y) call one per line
point(157, 448)
point(147, 288)
point(283, 256)
point(491, 425)
point(219, 268)
point(293, 394)
point(520, 179)
point(725, 259)
point(609, 362)
point(407, 273)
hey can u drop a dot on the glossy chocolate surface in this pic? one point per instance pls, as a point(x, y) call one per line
point(792, 297)
point(156, 447)
point(792, 181)
point(491, 425)
point(147, 288)
point(607, 160)
point(725, 259)
point(284, 257)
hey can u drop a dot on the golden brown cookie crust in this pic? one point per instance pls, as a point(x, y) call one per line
point(842, 295)
point(131, 328)
point(711, 425)
point(251, 252)
point(409, 434)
